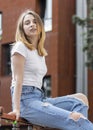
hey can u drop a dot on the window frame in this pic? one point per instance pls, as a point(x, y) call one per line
point(48, 16)
point(0, 24)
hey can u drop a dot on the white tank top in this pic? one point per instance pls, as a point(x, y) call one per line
point(35, 66)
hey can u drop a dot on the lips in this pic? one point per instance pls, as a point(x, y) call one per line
point(33, 29)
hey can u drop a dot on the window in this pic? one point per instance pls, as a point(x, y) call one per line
point(42, 5)
point(47, 85)
point(48, 16)
point(44, 9)
point(6, 63)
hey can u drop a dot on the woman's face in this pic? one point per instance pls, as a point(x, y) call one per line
point(30, 26)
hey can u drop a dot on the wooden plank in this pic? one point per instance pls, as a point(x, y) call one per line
point(21, 121)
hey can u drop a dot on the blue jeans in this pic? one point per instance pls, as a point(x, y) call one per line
point(52, 112)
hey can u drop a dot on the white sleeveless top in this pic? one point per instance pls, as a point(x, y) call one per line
point(35, 66)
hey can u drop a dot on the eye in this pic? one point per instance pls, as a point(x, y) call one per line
point(34, 21)
point(27, 22)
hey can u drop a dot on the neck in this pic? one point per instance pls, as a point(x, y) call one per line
point(34, 41)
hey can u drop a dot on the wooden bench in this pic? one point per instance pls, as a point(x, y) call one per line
point(16, 125)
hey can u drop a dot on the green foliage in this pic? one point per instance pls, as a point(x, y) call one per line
point(88, 37)
point(79, 21)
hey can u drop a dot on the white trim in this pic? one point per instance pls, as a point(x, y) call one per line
point(81, 69)
point(0, 24)
point(48, 16)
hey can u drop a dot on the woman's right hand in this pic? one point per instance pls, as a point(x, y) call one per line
point(15, 113)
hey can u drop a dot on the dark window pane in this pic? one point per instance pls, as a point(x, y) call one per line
point(47, 85)
point(6, 63)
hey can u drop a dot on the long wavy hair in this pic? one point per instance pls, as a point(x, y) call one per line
point(20, 34)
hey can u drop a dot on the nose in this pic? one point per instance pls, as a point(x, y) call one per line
point(31, 24)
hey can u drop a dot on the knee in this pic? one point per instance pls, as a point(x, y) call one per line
point(75, 116)
point(83, 97)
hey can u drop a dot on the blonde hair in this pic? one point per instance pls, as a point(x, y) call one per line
point(20, 35)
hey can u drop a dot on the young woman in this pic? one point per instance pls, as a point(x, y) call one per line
point(28, 69)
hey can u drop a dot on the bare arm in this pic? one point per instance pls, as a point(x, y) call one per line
point(18, 62)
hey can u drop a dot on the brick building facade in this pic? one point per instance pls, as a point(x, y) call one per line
point(60, 44)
